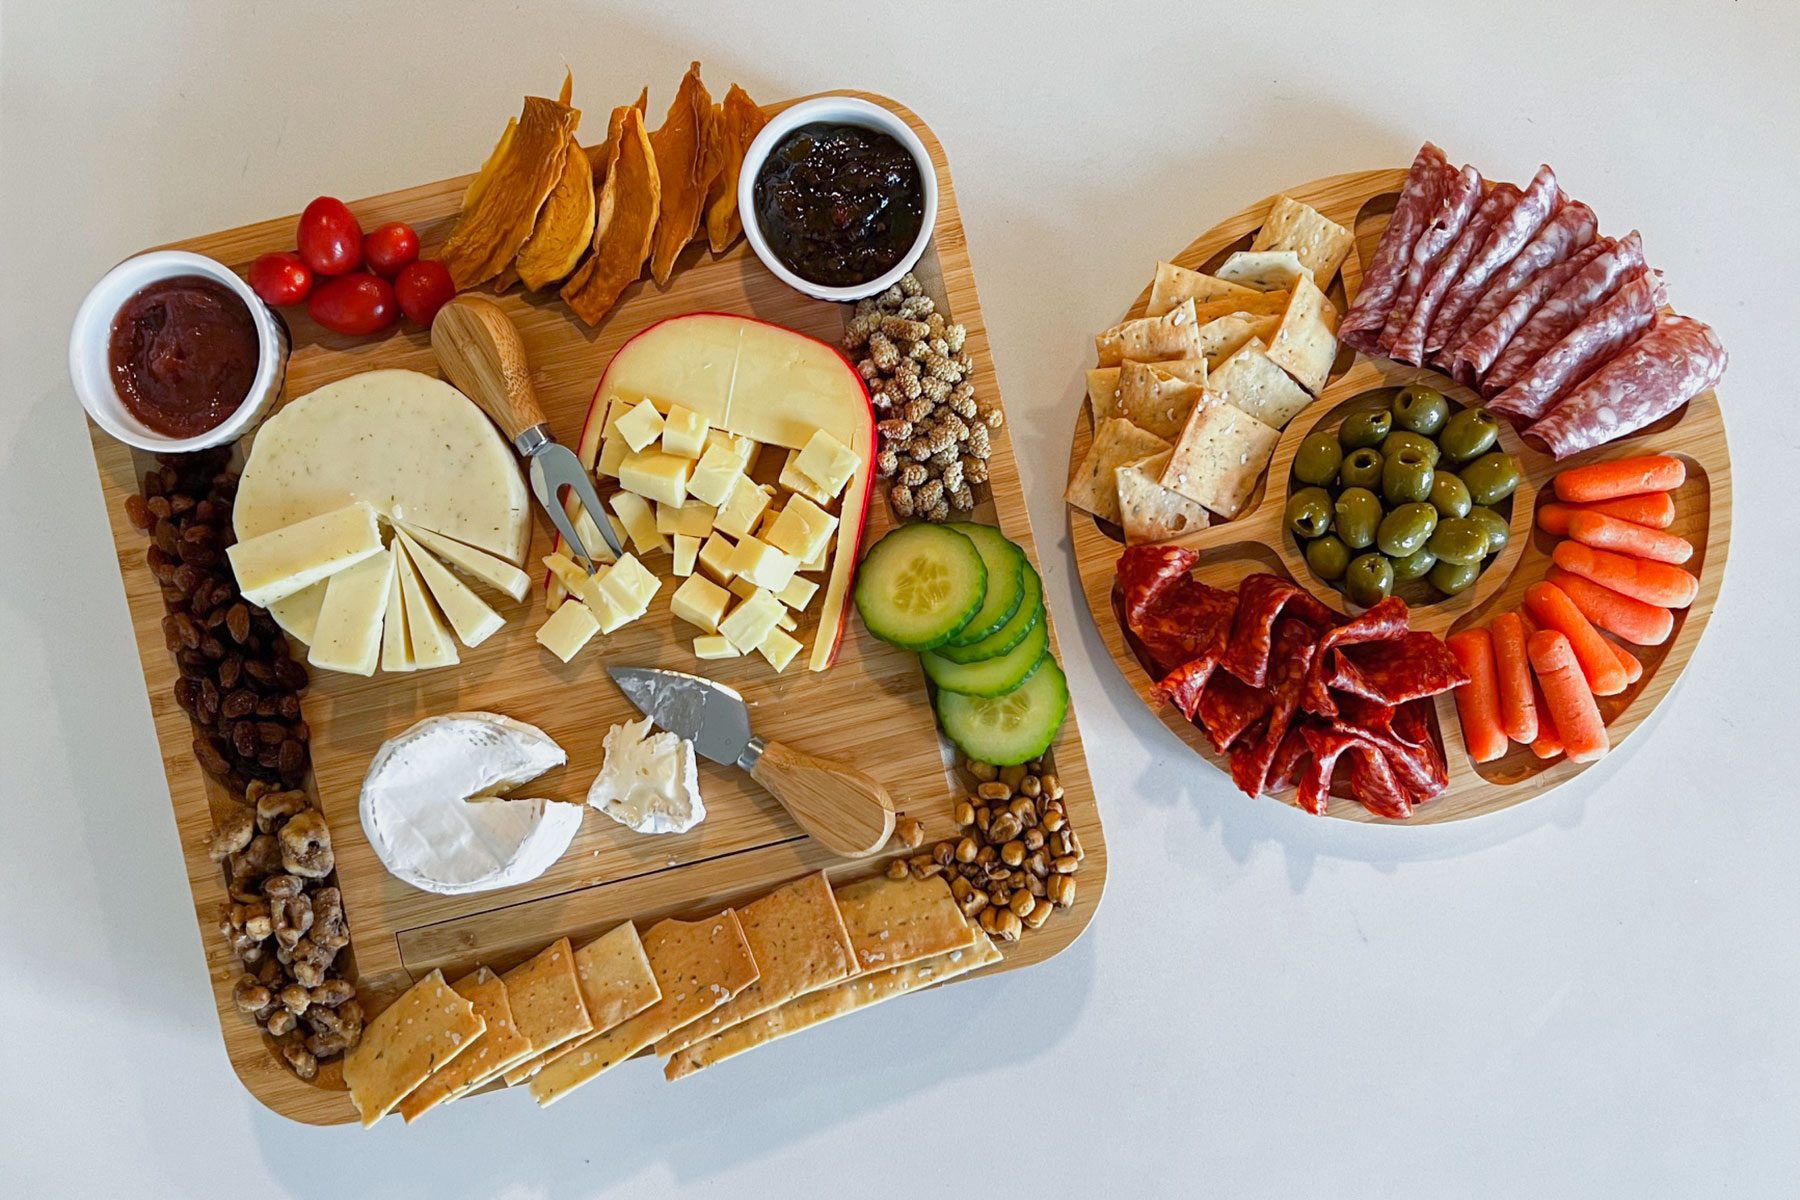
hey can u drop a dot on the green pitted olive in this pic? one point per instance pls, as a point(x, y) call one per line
point(1398, 440)
point(1449, 495)
point(1459, 540)
point(1318, 458)
point(1498, 531)
point(1406, 529)
point(1328, 556)
point(1365, 429)
point(1469, 434)
point(1358, 517)
point(1491, 478)
point(1421, 409)
point(1368, 580)
point(1414, 566)
point(1405, 476)
point(1362, 468)
point(1309, 512)
point(1453, 577)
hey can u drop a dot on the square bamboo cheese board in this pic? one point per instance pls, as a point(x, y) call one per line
point(871, 707)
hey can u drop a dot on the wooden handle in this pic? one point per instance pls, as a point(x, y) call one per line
point(481, 352)
point(840, 807)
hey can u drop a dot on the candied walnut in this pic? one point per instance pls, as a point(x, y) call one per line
point(293, 917)
point(308, 962)
point(280, 1022)
point(233, 834)
point(332, 993)
point(345, 1021)
point(250, 995)
point(282, 887)
point(273, 807)
point(306, 845)
point(330, 928)
point(263, 854)
point(304, 1063)
point(295, 999)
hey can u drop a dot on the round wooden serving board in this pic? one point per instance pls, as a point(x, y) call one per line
point(1257, 541)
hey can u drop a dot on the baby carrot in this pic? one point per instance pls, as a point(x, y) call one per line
point(1651, 582)
point(1621, 477)
point(1609, 533)
point(1638, 623)
point(1513, 666)
point(1548, 742)
point(1551, 608)
point(1654, 510)
point(1478, 701)
point(1567, 697)
point(1634, 670)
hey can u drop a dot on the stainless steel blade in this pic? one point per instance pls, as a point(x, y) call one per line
point(554, 467)
point(711, 715)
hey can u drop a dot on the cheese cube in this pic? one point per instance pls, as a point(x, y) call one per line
point(590, 533)
point(750, 622)
point(738, 515)
point(762, 564)
point(687, 551)
point(640, 426)
point(827, 462)
point(629, 585)
point(711, 645)
point(742, 588)
point(715, 558)
point(714, 476)
point(684, 432)
point(802, 529)
point(693, 518)
point(798, 593)
point(569, 629)
point(275, 565)
point(743, 448)
point(634, 513)
point(779, 649)
point(819, 561)
point(586, 588)
point(786, 620)
point(613, 451)
point(799, 482)
point(699, 601)
point(657, 476)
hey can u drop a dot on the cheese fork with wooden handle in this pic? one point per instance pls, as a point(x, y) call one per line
point(480, 350)
point(839, 806)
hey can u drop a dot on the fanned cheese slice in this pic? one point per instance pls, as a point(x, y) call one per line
point(348, 637)
point(396, 645)
point(497, 573)
point(282, 561)
point(432, 645)
point(299, 613)
point(467, 613)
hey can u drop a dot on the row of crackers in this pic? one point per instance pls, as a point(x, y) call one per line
point(1189, 400)
point(698, 992)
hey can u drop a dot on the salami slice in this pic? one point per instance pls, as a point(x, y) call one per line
point(1229, 707)
point(1675, 360)
point(1510, 234)
point(1187, 625)
point(1143, 572)
point(1564, 235)
point(1290, 756)
point(1374, 785)
point(1400, 669)
point(1430, 174)
point(1184, 686)
point(1410, 345)
point(1383, 622)
point(1563, 309)
point(1440, 233)
point(1291, 656)
point(1480, 351)
point(1602, 333)
point(1262, 598)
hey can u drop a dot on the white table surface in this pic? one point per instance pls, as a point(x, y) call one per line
point(1592, 994)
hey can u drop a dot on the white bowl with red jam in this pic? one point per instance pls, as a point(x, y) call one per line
point(838, 197)
point(172, 352)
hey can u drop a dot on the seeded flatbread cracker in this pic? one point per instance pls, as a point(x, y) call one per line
point(1221, 336)
point(698, 964)
point(815, 1008)
point(546, 1003)
point(1250, 382)
point(1150, 512)
point(896, 921)
point(1116, 442)
point(1174, 284)
point(1264, 270)
point(616, 982)
point(1170, 335)
point(1256, 304)
point(1305, 343)
point(1102, 390)
point(412, 1037)
point(498, 1046)
point(1219, 458)
point(797, 937)
point(1155, 400)
point(1321, 243)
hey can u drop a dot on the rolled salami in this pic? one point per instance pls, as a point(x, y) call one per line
point(1479, 353)
point(1567, 232)
point(1410, 346)
point(1511, 234)
point(1601, 334)
point(1440, 232)
point(1674, 360)
point(1430, 174)
point(1564, 310)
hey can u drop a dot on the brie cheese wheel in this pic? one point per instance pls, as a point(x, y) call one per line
point(648, 782)
point(429, 811)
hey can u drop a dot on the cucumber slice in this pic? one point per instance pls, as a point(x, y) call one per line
point(1005, 581)
point(991, 676)
point(918, 586)
point(1029, 613)
point(1010, 729)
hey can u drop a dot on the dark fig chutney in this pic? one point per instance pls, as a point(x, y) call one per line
point(839, 205)
point(183, 354)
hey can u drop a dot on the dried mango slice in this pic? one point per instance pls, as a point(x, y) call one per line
point(490, 232)
point(603, 154)
point(679, 147)
point(565, 225)
point(630, 200)
point(736, 123)
point(478, 186)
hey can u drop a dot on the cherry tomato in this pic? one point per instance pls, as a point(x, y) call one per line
point(424, 287)
point(389, 247)
point(281, 278)
point(330, 240)
point(357, 304)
